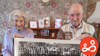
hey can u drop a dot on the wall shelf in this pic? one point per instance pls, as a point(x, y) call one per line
point(45, 28)
point(51, 30)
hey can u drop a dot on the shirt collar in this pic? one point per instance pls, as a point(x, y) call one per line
point(80, 26)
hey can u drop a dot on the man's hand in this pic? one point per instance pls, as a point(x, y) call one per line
point(17, 35)
point(81, 37)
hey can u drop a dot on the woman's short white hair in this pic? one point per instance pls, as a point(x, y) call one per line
point(18, 13)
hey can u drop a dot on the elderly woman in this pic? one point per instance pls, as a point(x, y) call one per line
point(19, 21)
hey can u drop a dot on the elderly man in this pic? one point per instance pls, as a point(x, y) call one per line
point(76, 29)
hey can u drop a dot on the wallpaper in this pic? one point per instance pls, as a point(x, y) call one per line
point(35, 10)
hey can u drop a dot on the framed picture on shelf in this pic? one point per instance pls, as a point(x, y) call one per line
point(41, 23)
point(57, 23)
point(35, 33)
point(46, 21)
point(33, 24)
point(21, 45)
point(44, 32)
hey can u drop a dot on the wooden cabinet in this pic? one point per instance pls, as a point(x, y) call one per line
point(0, 50)
point(53, 31)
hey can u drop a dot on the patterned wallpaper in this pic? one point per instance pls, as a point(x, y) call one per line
point(35, 10)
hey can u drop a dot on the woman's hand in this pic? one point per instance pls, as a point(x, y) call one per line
point(17, 35)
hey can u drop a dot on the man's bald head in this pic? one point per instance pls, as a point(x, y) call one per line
point(75, 7)
point(75, 14)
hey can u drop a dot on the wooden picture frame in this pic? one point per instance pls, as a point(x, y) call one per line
point(46, 22)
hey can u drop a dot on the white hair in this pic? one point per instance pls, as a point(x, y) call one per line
point(18, 13)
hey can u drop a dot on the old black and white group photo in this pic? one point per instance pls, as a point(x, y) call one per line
point(48, 49)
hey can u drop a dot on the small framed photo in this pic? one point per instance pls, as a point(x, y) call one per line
point(33, 24)
point(41, 23)
point(44, 32)
point(35, 33)
point(46, 21)
point(57, 23)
